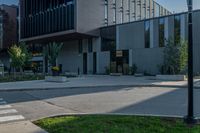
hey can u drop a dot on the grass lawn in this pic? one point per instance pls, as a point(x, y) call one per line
point(115, 124)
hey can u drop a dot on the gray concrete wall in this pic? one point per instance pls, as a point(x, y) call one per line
point(103, 60)
point(70, 58)
point(90, 63)
point(97, 44)
point(131, 36)
point(90, 16)
point(148, 60)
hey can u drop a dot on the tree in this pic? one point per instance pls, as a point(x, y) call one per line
point(175, 57)
point(52, 51)
point(19, 56)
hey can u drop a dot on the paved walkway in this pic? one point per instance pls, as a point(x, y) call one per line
point(7, 113)
point(12, 122)
point(20, 127)
point(94, 81)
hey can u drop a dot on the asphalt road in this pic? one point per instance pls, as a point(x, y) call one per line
point(33, 105)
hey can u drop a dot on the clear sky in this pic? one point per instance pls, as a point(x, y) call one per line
point(172, 5)
point(9, 2)
point(178, 5)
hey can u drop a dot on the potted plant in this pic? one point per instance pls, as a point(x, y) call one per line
point(55, 71)
point(51, 52)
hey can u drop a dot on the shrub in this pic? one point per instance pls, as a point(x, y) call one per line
point(175, 58)
point(19, 56)
point(107, 70)
point(133, 69)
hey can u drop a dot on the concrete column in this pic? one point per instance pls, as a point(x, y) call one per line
point(130, 57)
point(117, 38)
point(98, 69)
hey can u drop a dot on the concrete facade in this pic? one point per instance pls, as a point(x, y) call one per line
point(114, 26)
point(132, 36)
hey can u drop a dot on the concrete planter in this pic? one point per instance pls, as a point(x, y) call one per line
point(59, 79)
point(171, 77)
point(116, 74)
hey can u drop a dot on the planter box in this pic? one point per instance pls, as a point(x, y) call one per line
point(171, 77)
point(59, 79)
point(115, 74)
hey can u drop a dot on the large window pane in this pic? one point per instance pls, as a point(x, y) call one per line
point(147, 34)
point(161, 32)
point(177, 29)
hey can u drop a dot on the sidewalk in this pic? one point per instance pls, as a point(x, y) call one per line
point(94, 81)
point(20, 127)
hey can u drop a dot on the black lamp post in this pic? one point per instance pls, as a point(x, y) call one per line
point(190, 116)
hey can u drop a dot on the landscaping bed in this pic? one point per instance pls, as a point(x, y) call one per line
point(11, 78)
point(115, 124)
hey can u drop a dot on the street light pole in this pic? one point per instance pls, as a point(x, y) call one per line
point(190, 116)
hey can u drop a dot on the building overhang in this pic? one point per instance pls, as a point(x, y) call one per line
point(57, 37)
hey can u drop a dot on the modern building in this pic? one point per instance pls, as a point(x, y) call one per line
point(142, 42)
point(95, 33)
point(8, 29)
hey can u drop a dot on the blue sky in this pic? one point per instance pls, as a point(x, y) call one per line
point(9, 2)
point(172, 5)
point(178, 5)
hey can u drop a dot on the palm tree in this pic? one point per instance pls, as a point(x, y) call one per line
point(52, 51)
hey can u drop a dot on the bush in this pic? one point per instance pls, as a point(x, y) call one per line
point(107, 70)
point(133, 69)
point(175, 58)
point(11, 78)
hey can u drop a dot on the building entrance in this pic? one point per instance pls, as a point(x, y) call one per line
point(119, 62)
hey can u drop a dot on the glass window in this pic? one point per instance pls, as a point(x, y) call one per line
point(1, 31)
point(90, 46)
point(80, 46)
point(177, 29)
point(147, 34)
point(108, 45)
point(161, 32)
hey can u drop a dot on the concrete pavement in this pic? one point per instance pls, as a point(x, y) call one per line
point(11, 121)
point(160, 101)
point(34, 100)
point(20, 127)
point(94, 81)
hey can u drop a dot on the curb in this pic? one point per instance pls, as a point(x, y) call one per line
point(78, 87)
point(107, 114)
